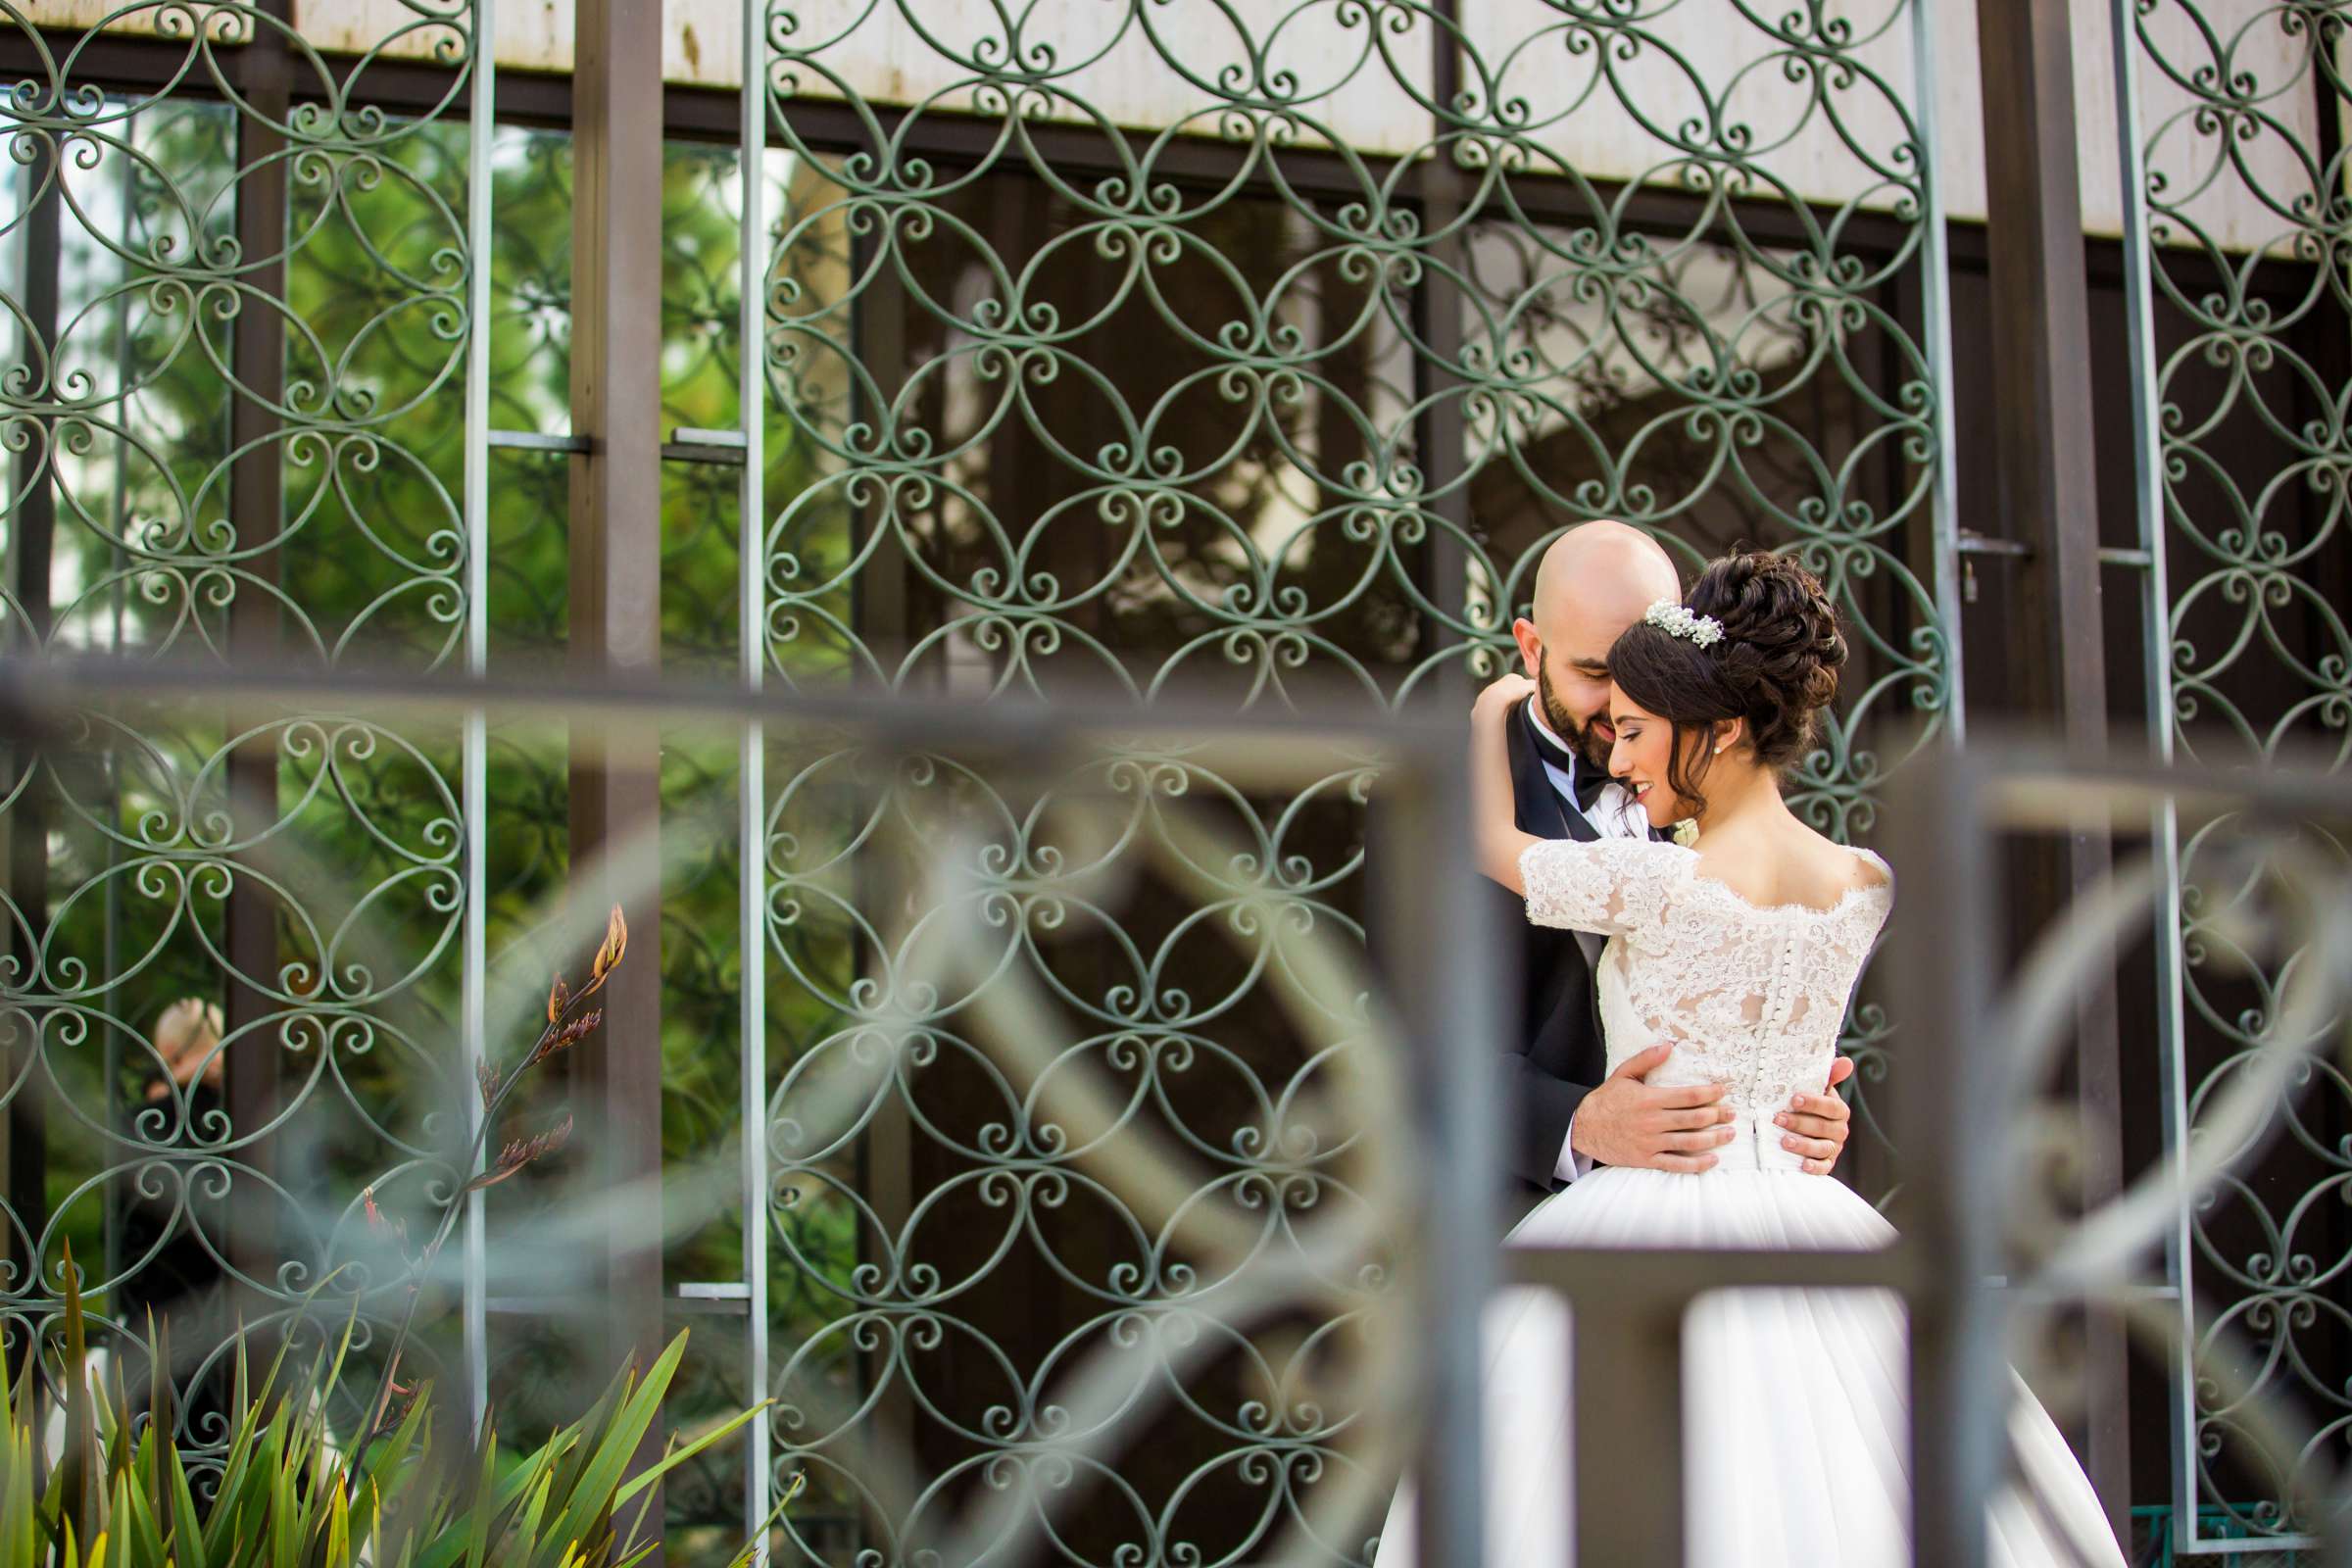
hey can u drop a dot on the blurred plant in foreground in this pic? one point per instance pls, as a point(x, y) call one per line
point(570, 1020)
point(106, 1489)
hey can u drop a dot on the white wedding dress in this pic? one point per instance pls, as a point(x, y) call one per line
point(1796, 1423)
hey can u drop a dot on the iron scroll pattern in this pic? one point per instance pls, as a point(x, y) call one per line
point(1222, 422)
point(1223, 408)
point(234, 337)
point(2254, 449)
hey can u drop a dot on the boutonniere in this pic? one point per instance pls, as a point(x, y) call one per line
point(1686, 832)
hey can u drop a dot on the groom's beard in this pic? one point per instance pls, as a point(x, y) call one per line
point(1586, 746)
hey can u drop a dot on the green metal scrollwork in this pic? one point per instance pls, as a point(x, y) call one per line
point(2245, 227)
point(233, 337)
point(1224, 407)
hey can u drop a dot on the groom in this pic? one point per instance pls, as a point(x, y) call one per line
point(1565, 1112)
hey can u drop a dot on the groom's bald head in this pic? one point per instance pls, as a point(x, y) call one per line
point(1600, 576)
point(1592, 582)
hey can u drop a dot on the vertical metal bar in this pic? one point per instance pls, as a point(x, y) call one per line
point(882, 615)
point(34, 547)
point(1627, 1354)
point(1454, 1003)
point(1438, 307)
point(33, 544)
point(482, 131)
point(118, 517)
point(1449, 1009)
point(752, 767)
point(2156, 609)
point(1936, 341)
point(257, 510)
point(1945, 968)
point(878, 333)
point(615, 610)
point(2040, 324)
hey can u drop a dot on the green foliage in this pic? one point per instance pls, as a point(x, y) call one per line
point(118, 1494)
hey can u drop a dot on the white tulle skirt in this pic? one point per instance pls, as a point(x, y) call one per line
point(1793, 1400)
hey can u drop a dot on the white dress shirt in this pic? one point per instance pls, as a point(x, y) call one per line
point(1615, 815)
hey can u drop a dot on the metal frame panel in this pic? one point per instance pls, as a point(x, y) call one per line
point(2150, 512)
point(1936, 331)
point(752, 764)
point(475, 742)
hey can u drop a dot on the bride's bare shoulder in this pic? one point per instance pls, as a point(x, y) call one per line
point(1868, 868)
point(1803, 870)
point(1839, 868)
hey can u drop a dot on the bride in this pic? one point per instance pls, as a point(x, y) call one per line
point(1740, 950)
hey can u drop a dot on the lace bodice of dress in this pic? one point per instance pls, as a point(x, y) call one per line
point(1750, 997)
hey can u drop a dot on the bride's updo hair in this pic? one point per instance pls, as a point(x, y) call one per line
point(1775, 666)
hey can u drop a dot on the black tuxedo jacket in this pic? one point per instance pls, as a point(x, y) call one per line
point(1554, 1054)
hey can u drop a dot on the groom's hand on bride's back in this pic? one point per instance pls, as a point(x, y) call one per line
point(1625, 1121)
point(1815, 1125)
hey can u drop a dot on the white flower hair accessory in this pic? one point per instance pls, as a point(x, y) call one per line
point(1676, 621)
point(1686, 832)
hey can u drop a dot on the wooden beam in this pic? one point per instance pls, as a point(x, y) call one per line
point(1439, 309)
point(2040, 326)
point(256, 629)
point(615, 622)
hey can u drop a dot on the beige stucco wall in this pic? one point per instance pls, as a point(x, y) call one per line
point(1110, 61)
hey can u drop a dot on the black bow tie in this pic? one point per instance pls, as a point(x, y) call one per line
point(1586, 784)
point(1586, 781)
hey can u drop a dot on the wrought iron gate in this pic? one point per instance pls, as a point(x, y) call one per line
point(1194, 353)
point(2239, 366)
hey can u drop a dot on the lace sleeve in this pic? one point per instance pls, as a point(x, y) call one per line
point(1608, 886)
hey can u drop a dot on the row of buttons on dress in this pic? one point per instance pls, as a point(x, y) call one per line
point(1779, 1003)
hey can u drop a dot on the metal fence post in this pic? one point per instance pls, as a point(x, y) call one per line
point(482, 128)
point(1449, 1009)
point(752, 759)
point(2148, 454)
point(1936, 339)
point(1950, 1224)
